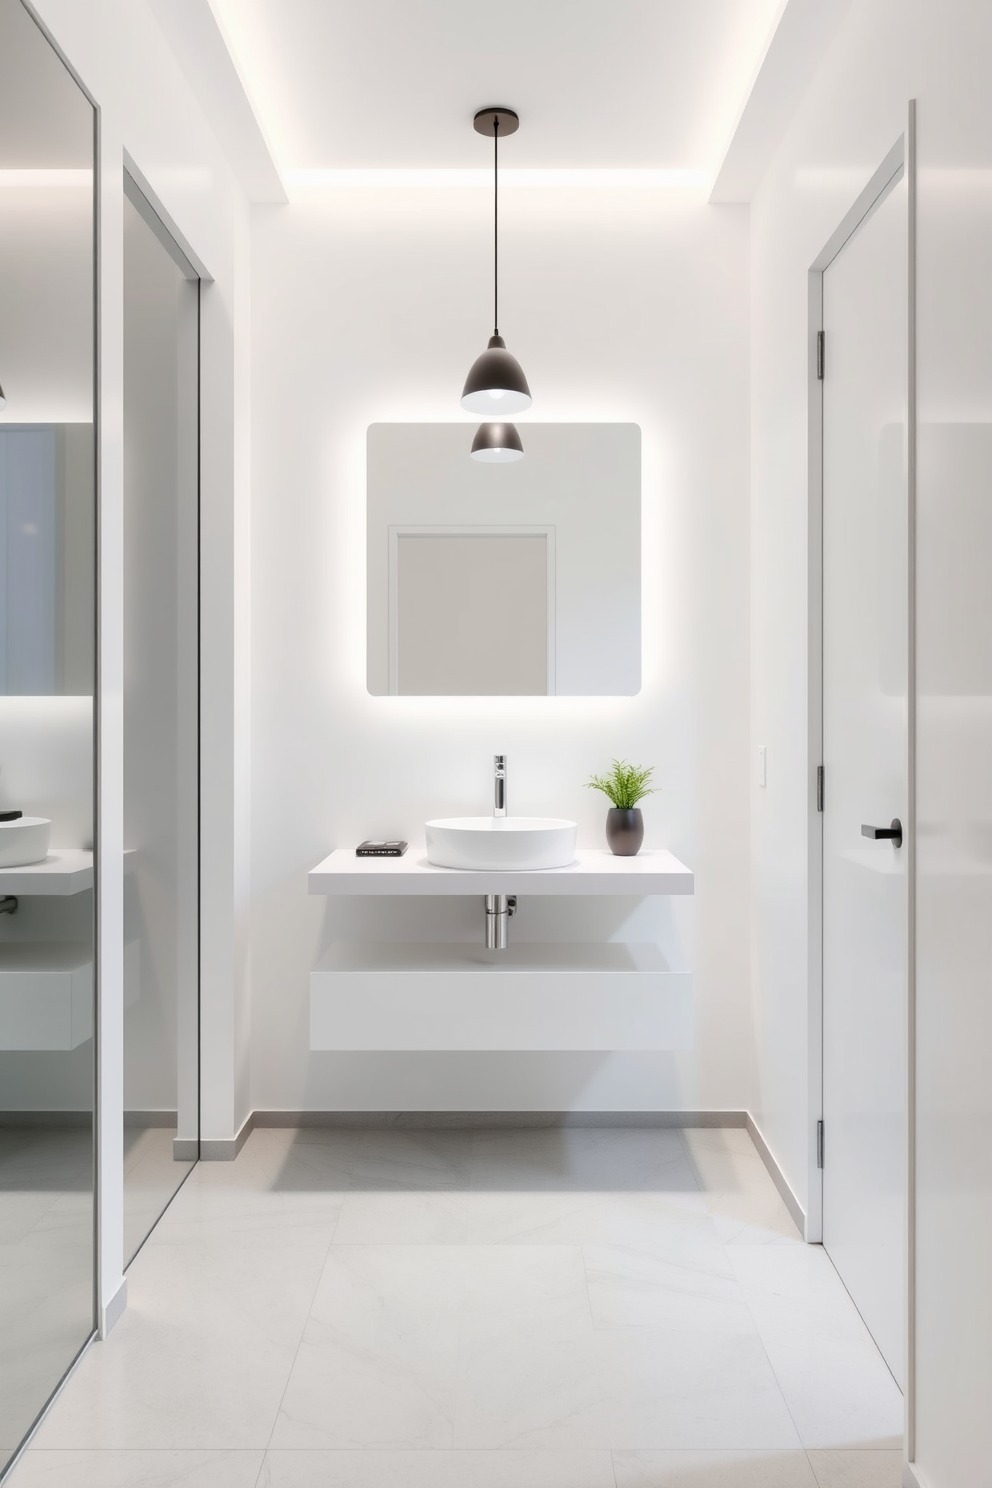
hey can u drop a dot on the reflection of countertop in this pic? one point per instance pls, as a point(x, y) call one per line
point(66, 870)
point(595, 871)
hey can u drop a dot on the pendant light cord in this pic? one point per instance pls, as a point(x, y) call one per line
point(496, 225)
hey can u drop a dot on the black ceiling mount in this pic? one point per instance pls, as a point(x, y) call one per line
point(485, 121)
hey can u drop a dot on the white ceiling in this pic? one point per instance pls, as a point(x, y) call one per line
point(598, 83)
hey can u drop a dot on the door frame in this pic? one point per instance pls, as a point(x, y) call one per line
point(900, 159)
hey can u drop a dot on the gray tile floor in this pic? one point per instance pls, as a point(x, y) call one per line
point(46, 1267)
point(555, 1308)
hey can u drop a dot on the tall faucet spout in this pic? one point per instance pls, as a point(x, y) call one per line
point(499, 785)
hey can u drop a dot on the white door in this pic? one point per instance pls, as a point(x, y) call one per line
point(865, 654)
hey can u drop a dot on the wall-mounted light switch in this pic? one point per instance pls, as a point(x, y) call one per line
point(762, 765)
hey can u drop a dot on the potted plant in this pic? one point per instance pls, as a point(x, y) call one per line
point(625, 785)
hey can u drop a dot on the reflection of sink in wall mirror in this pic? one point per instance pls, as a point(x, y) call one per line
point(504, 579)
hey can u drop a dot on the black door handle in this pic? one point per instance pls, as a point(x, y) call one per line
point(892, 834)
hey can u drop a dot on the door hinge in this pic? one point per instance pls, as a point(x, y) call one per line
point(819, 787)
point(819, 1144)
point(819, 355)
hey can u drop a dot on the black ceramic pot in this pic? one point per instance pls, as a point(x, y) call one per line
point(624, 831)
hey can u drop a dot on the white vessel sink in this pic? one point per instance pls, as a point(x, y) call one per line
point(24, 841)
point(511, 842)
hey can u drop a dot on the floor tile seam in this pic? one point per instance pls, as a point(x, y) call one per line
point(690, 1162)
point(775, 1375)
point(37, 1451)
point(824, 1329)
point(681, 1267)
point(299, 1345)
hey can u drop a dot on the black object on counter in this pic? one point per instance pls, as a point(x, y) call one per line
point(10, 815)
point(380, 849)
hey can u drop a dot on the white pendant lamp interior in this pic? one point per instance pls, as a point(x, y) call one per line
point(496, 386)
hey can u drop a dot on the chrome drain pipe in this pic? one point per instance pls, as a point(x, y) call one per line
point(499, 909)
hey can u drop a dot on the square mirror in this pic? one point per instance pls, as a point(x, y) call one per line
point(516, 579)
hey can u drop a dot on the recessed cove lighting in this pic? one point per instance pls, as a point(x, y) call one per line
point(496, 383)
point(497, 444)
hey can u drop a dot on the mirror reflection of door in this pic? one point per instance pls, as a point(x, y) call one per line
point(161, 802)
point(471, 613)
point(47, 632)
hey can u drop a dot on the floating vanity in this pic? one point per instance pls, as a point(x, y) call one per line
point(595, 871)
point(538, 995)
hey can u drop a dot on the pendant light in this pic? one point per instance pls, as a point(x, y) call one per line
point(2, 398)
point(497, 444)
point(496, 383)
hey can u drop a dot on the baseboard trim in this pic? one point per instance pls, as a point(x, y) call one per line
point(911, 1477)
point(57, 1119)
point(777, 1176)
point(226, 1149)
point(114, 1310)
point(148, 1119)
point(483, 1120)
point(186, 1149)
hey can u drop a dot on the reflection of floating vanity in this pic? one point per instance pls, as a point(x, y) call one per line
point(46, 987)
point(46, 994)
point(535, 995)
point(66, 870)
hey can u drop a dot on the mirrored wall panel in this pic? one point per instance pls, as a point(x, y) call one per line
point(47, 645)
point(498, 579)
point(161, 800)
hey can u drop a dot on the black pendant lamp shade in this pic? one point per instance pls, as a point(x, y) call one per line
point(497, 444)
point(496, 383)
point(2, 398)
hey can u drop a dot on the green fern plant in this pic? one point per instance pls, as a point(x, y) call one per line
point(625, 784)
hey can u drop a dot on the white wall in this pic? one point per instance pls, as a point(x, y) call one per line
point(953, 1210)
point(370, 305)
point(849, 119)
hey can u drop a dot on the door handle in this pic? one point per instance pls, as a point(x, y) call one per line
point(892, 834)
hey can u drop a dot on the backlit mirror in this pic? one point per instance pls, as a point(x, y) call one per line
point(504, 579)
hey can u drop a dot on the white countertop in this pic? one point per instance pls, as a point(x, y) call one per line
point(595, 871)
point(66, 870)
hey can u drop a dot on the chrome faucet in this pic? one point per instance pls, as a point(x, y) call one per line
point(499, 785)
